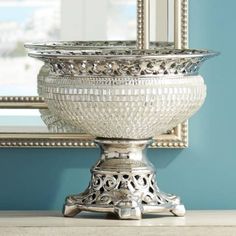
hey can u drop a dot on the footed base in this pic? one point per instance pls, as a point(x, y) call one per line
point(125, 210)
point(124, 183)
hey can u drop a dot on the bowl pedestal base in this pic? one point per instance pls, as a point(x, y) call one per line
point(124, 183)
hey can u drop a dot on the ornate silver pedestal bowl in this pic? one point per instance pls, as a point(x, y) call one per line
point(123, 97)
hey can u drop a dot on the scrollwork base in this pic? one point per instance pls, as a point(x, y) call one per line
point(124, 183)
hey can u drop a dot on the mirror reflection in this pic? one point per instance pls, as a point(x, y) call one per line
point(43, 20)
point(28, 121)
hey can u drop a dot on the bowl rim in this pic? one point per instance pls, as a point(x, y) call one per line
point(68, 45)
point(139, 55)
point(111, 50)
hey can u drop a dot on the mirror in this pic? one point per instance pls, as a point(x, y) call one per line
point(21, 122)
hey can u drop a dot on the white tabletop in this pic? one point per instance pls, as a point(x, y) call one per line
point(53, 223)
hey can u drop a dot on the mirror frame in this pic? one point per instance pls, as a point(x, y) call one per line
point(176, 138)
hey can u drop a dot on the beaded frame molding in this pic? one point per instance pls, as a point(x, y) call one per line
point(176, 138)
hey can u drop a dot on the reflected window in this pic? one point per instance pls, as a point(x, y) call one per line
point(121, 23)
point(44, 20)
point(24, 21)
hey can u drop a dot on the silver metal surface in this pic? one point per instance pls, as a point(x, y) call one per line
point(143, 24)
point(96, 45)
point(22, 102)
point(125, 97)
point(119, 107)
point(175, 138)
point(123, 62)
point(124, 183)
point(107, 53)
point(181, 24)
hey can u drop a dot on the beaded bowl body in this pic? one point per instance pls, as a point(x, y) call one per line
point(122, 93)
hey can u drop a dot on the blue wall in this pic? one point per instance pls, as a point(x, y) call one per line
point(203, 175)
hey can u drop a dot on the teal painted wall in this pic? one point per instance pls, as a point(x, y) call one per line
point(203, 175)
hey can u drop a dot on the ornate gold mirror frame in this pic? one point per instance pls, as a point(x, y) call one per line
point(176, 138)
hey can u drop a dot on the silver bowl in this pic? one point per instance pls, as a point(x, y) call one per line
point(123, 97)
